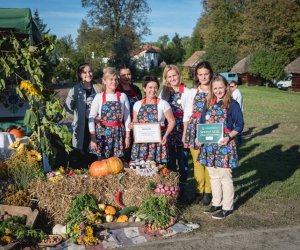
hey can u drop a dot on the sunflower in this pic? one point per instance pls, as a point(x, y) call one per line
point(33, 154)
point(30, 88)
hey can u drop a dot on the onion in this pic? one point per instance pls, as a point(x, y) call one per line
point(160, 186)
point(172, 188)
point(177, 188)
point(167, 188)
point(168, 192)
point(157, 190)
point(174, 193)
point(162, 191)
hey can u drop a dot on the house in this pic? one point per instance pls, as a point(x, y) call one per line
point(147, 58)
point(192, 61)
point(242, 68)
point(294, 69)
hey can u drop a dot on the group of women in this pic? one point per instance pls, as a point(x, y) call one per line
point(103, 124)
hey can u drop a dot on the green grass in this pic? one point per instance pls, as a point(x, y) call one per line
point(267, 182)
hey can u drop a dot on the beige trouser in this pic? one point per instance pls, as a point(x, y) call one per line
point(222, 187)
point(201, 174)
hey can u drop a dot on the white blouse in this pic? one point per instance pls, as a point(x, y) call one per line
point(162, 107)
point(184, 97)
point(97, 106)
point(188, 110)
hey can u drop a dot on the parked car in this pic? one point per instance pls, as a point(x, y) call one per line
point(230, 76)
point(286, 83)
point(270, 83)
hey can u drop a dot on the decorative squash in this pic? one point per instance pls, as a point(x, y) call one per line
point(122, 218)
point(110, 210)
point(17, 132)
point(112, 165)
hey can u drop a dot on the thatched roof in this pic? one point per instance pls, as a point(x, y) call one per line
point(294, 66)
point(241, 67)
point(194, 59)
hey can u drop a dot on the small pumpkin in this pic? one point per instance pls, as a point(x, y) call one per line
point(112, 165)
point(110, 210)
point(123, 218)
point(17, 132)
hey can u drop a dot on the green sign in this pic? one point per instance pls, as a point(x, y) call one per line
point(209, 133)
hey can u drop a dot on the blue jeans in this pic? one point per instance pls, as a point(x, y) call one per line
point(178, 154)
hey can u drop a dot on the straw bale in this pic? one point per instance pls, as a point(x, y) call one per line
point(55, 197)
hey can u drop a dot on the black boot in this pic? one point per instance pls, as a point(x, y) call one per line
point(198, 198)
point(206, 199)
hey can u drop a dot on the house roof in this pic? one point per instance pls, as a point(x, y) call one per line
point(194, 59)
point(294, 66)
point(241, 67)
point(150, 47)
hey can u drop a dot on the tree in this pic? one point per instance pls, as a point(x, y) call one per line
point(270, 24)
point(196, 41)
point(221, 56)
point(39, 22)
point(115, 16)
point(268, 64)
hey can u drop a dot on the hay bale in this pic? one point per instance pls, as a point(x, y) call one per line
point(55, 198)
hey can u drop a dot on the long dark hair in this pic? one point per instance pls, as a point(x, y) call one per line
point(202, 65)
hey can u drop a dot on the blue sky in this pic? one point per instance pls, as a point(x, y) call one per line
point(63, 17)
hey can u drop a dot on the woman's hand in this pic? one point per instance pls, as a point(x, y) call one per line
point(98, 121)
point(224, 141)
point(93, 142)
point(130, 125)
point(164, 140)
point(185, 145)
point(127, 142)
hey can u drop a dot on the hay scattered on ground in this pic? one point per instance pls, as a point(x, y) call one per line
point(55, 198)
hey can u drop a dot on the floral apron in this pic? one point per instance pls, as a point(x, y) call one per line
point(149, 151)
point(213, 155)
point(191, 132)
point(175, 137)
point(110, 134)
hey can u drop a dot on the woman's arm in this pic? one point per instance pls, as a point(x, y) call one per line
point(171, 124)
point(70, 102)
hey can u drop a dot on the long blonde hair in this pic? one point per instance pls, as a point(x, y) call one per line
point(165, 94)
point(211, 99)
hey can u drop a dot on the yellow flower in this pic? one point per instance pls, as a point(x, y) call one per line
point(34, 155)
point(8, 231)
point(28, 87)
point(76, 228)
point(89, 231)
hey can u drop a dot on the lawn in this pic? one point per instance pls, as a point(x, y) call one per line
point(267, 182)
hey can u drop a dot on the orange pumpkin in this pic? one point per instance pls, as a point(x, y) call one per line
point(17, 132)
point(112, 165)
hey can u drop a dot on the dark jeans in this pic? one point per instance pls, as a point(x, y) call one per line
point(178, 154)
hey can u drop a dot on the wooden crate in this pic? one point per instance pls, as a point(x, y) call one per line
point(31, 216)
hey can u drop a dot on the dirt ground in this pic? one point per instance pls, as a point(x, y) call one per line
point(287, 238)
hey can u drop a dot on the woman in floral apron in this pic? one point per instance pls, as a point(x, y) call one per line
point(152, 110)
point(192, 117)
point(112, 113)
point(219, 159)
point(176, 94)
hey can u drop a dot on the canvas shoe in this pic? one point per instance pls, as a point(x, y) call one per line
point(222, 214)
point(213, 209)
